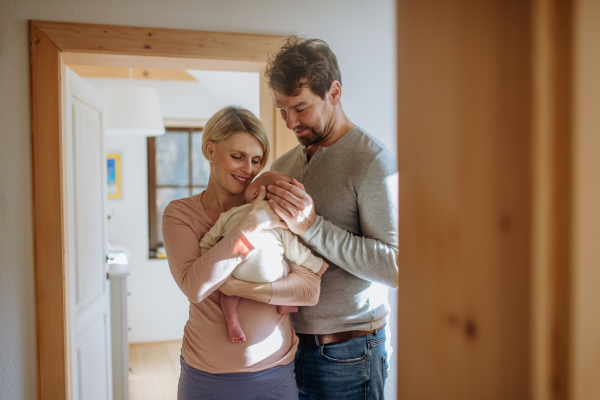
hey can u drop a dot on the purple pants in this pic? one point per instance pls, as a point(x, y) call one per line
point(277, 383)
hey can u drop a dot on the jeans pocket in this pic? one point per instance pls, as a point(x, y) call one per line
point(345, 352)
point(385, 366)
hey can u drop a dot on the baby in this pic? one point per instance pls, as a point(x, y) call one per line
point(265, 262)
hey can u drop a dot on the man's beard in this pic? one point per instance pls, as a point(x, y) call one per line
point(310, 138)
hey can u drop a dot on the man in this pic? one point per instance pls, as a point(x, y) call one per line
point(348, 215)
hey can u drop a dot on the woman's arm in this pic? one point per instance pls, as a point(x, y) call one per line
point(301, 287)
point(261, 292)
point(198, 276)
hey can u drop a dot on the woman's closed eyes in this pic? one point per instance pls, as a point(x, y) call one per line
point(241, 158)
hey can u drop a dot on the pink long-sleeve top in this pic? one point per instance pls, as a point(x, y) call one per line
point(270, 339)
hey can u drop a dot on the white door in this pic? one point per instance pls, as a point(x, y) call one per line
point(86, 197)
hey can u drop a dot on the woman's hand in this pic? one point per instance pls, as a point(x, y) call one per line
point(261, 216)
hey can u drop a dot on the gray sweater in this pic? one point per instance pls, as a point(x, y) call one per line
point(354, 185)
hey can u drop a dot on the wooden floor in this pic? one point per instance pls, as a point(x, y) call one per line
point(154, 370)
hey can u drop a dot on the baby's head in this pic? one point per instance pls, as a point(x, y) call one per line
point(265, 179)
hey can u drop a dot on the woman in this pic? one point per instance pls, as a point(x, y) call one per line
point(235, 143)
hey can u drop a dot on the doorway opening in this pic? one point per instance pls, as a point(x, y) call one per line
point(53, 46)
point(151, 172)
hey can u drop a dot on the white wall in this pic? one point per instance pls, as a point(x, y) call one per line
point(157, 309)
point(361, 33)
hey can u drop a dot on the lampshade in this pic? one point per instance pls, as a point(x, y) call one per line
point(131, 111)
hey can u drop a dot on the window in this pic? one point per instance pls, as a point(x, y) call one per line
point(176, 169)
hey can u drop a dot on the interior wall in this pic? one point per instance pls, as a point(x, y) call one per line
point(157, 309)
point(360, 32)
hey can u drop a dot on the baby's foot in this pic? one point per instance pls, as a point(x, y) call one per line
point(287, 309)
point(234, 330)
point(324, 267)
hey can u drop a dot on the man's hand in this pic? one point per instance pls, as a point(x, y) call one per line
point(293, 205)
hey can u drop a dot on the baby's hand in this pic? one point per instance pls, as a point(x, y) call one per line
point(324, 267)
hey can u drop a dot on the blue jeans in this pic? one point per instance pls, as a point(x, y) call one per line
point(353, 369)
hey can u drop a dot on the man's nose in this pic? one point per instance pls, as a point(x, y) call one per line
point(291, 121)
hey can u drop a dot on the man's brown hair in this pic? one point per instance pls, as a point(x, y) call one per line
point(302, 62)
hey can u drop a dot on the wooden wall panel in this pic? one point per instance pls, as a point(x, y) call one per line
point(464, 152)
point(285, 138)
point(267, 116)
point(584, 359)
point(50, 279)
point(552, 199)
point(500, 226)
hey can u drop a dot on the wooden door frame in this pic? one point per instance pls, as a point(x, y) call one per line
point(52, 45)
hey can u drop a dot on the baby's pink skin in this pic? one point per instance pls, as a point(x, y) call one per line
point(265, 179)
point(324, 267)
point(287, 309)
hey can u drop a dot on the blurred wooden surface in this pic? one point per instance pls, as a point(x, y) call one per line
point(285, 139)
point(499, 164)
point(552, 198)
point(584, 358)
point(464, 153)
point(154, 371)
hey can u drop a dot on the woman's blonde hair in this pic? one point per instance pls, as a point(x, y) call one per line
point(230, 120)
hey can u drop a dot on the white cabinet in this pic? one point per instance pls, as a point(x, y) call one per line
point(119, 329)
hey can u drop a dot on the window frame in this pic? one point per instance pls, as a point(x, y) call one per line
point(153, 242)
